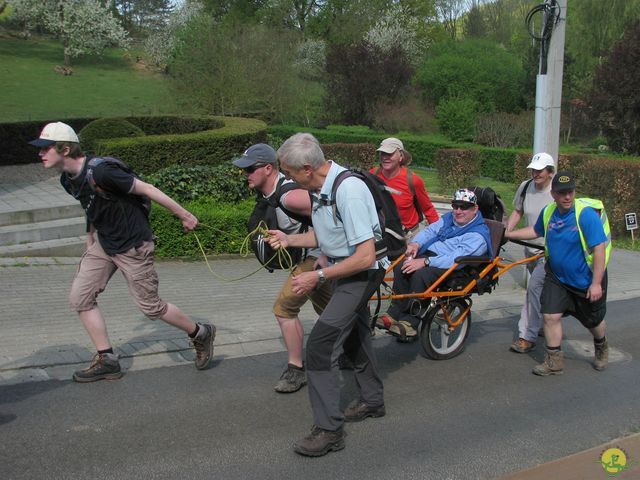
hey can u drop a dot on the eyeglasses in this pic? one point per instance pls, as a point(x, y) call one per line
point(255, 167)
point(461, 206)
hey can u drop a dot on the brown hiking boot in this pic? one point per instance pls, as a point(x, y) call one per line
point(522, 346)
point(602, 356)
point(104, 366)
point(320, 442)
point(358, 411)
point(203, 344)
point(553, 364)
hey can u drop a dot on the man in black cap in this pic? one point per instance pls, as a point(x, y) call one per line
point(577, 243)
point(119, 237)
point(259, 165)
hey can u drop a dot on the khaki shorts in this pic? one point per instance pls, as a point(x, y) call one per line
point(288, 304)
point(96, 269)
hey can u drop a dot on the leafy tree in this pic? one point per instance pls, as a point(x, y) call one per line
point(450, 13)
point(230, 69)
point(474, 24)
point(361, 75)
point(477, 69)
point(143, 15)
point(84, 27)
point(615, 99)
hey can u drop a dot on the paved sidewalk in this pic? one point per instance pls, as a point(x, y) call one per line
point(42, 339)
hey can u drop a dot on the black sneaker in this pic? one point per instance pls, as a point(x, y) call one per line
point(203, 344)
point(292, 379)
point(320, 442)
point(358, 411)
point(104, 366)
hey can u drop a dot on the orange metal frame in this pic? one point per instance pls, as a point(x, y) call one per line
point(431, 292)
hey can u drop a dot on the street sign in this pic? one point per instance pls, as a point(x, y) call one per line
point(631, 221)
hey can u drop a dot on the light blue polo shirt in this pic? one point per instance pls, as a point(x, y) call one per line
point(357, 210)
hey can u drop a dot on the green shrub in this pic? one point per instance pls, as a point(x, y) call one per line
point(177, 124)
point(500, 129)
point(613, 181)
point(106, 128)
point(497, 163)
point(221, 183)
point(211, 147)
point(457, 118)
point(457, 168)
point(223, 228)
point(361, 155)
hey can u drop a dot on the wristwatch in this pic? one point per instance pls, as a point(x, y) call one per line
point(321, 277)
point(426, 261)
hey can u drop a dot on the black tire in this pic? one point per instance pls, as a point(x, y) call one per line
point(437, 340)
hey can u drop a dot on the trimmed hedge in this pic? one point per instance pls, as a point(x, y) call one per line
point(15, 136)
point(149, 154)
point(107, 128)
point(361, 155)
point(222, 229)
point(457, 167)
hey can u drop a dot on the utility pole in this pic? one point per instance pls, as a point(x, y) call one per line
point(546, 137)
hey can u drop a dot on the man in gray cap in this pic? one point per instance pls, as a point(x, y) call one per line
point(281, 199)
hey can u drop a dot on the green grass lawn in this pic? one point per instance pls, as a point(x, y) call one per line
point(100, 86)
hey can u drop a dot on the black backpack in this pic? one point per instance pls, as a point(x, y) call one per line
point(265, 211)
point(489, 202)
point(142, 201)
point(393, 242)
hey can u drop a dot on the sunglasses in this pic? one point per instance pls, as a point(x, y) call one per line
point(461, 206)
point(253, 168)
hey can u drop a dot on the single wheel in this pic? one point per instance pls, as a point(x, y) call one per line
point(439, 341)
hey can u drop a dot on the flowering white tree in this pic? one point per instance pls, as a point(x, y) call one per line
point(84, 27)
point(161, 44)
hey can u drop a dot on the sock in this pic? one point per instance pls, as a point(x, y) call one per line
point(599, 341)
point(295, 367)
point(108, 350)
point(195, 332)
point(554, 349)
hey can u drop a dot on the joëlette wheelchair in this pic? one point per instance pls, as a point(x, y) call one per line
point(445, 307)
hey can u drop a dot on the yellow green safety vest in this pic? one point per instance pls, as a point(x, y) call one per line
point(579, 205)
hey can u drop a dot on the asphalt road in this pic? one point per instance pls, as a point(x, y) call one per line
point(480, 415)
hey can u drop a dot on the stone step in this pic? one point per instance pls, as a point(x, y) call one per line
point(62, 247)
point(41, 214)
point(42, 231)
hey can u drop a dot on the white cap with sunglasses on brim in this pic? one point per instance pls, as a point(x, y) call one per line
point(259, 153)
point(55, 132)
point(540, 161)
point(464, 196)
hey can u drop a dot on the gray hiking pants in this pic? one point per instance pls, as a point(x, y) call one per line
point(344, 326)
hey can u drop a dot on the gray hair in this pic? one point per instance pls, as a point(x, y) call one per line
point(301, 149)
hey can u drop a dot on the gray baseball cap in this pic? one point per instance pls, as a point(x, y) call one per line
point(258, 153)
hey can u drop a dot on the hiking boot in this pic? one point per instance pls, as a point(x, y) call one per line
point(384, 322)
point(553, 364)
point(104, 366)
point(358, 411)
point(602, 356)
point(320, 442)
point(203, 344)
point(404, 331)
point(522, 346)
point(292, 379)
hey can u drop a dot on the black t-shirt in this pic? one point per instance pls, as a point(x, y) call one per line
point(120, 220)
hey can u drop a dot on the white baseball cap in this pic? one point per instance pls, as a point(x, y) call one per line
point(541, 160)
point(55, 132)
point(390, 145)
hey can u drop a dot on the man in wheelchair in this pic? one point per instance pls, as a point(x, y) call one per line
point(461, 232)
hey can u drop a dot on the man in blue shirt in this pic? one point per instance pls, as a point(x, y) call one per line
point(433, 250)
point(576, 280)
point(348, 242)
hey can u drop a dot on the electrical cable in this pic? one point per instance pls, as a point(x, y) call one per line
point(550, 16)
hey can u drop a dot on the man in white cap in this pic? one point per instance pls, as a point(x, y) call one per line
point(116, 203)
point(531, 197)
point(431, 252)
